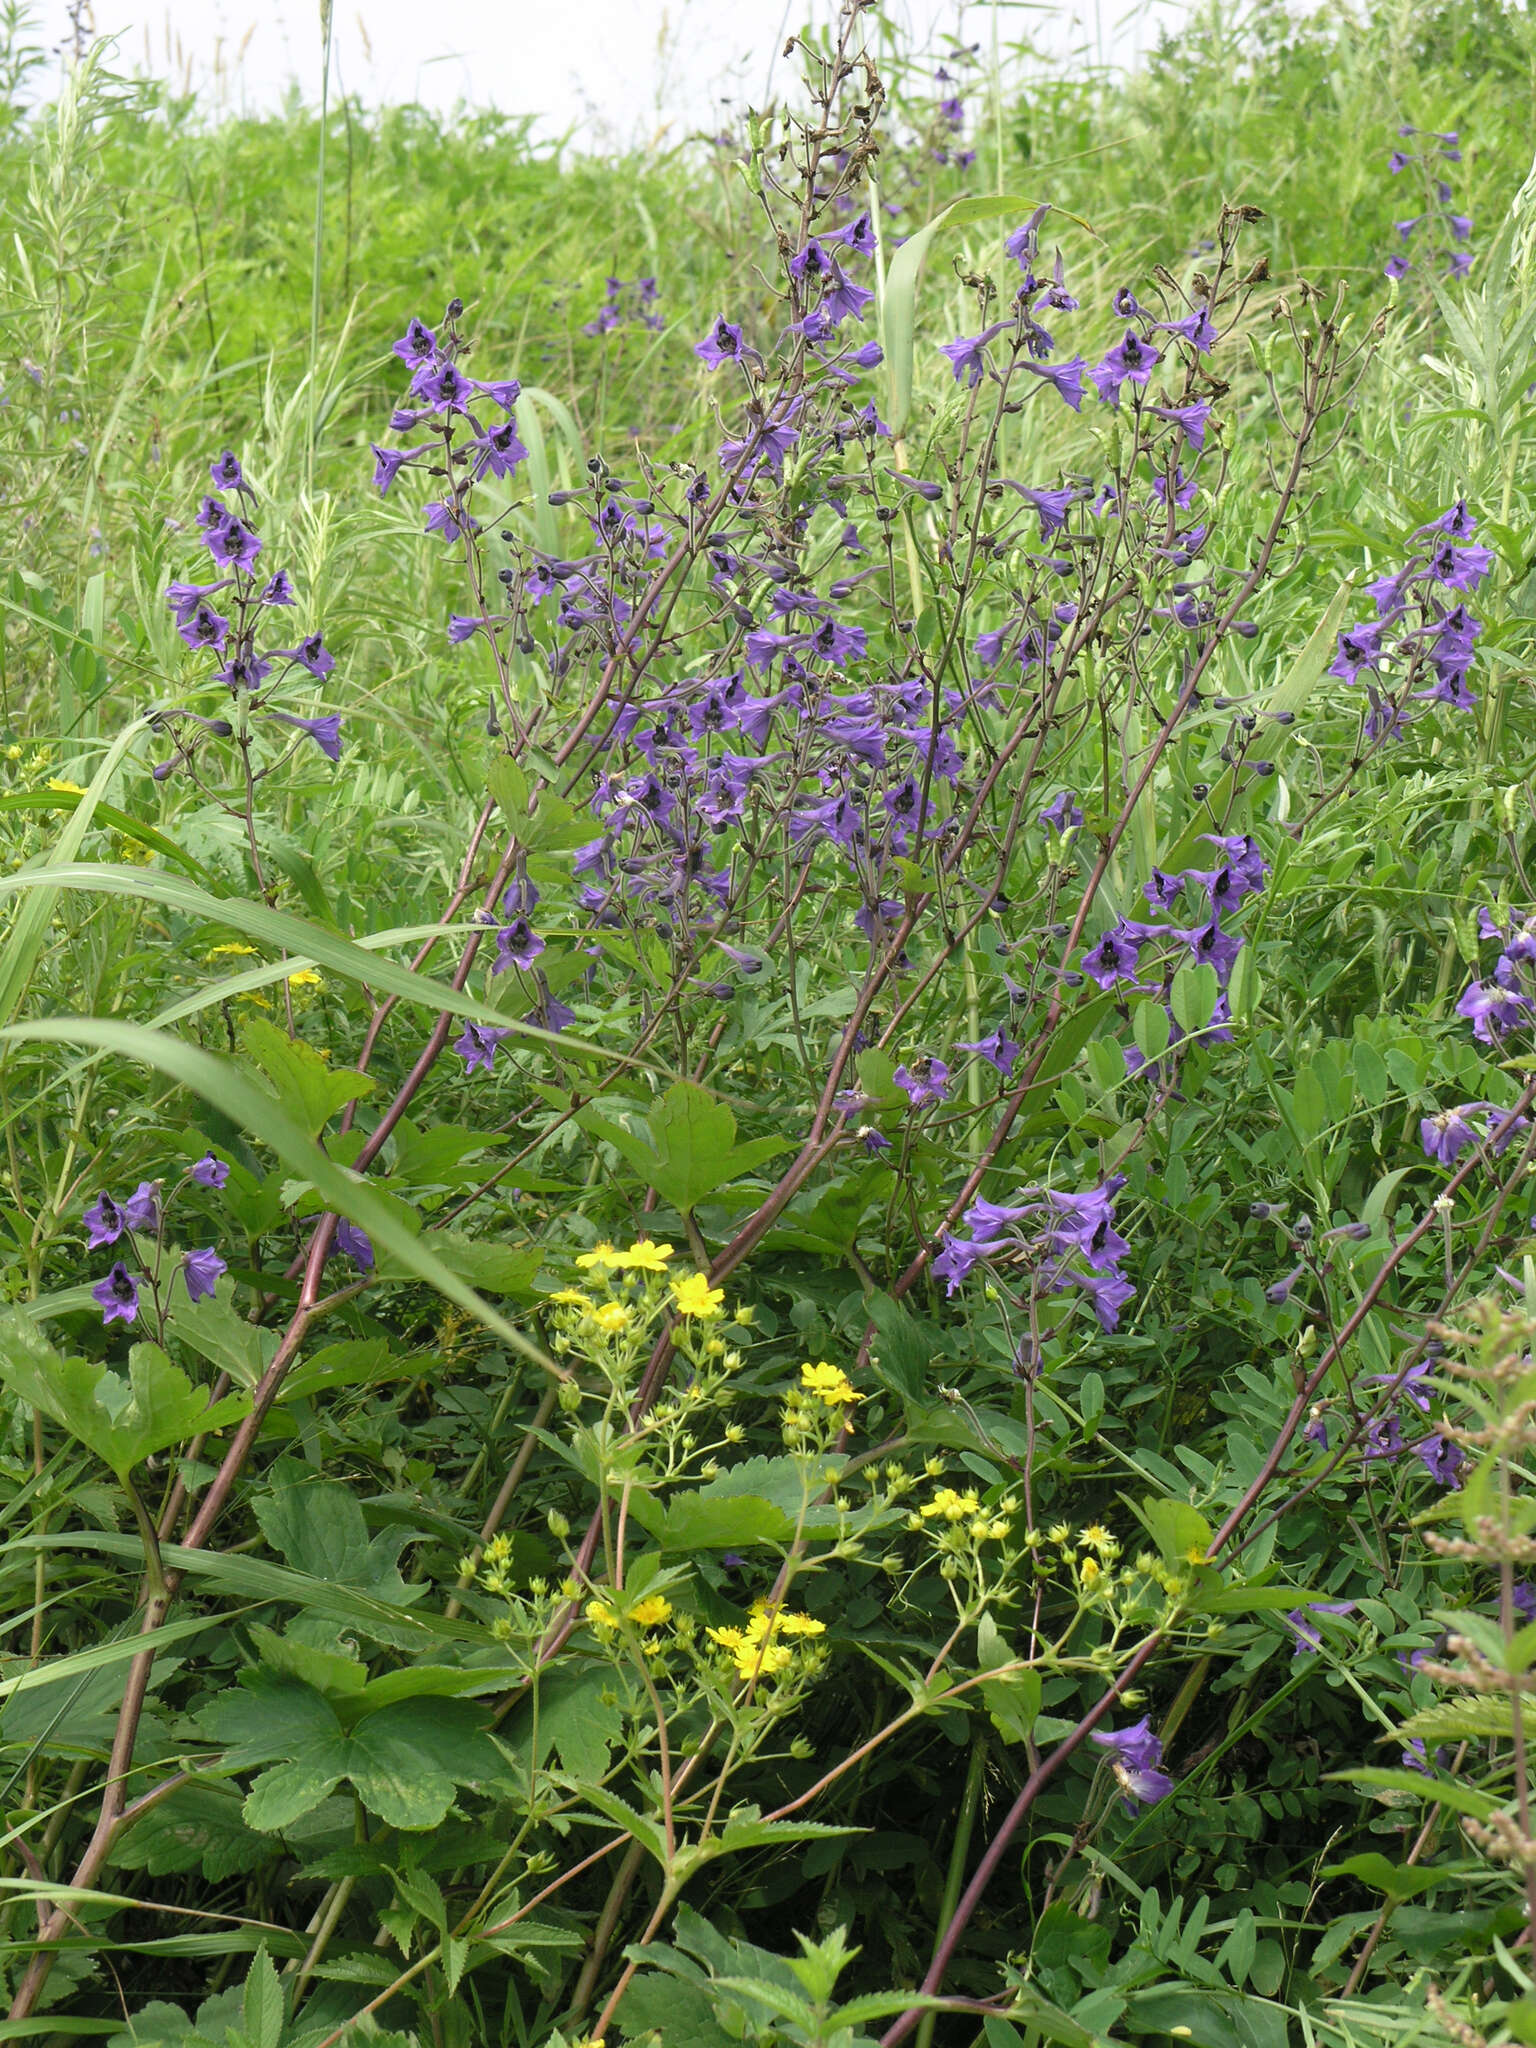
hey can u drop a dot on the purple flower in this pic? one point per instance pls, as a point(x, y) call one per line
point(353, 1244)
point(1189, 419)
point(117, 1295)
point(210, 1172)
point(416, 346)
point(722, 344)
point(226, 472)
point(498, 451)
point(105, 1222)
point(451, 521)
point(517, 945)
point(998, 1050)
point(312, 654)
point(1023, 245)
point(444, 387)
point(953, 1264)
point(1052, 506)
point(965, 355)
point(279, 589)
point(1309, 1638)
point(1196, 327)
point(232, 543)
point(141, 1211)
point(1066, 379)
point(1491, 1010)
point(1107, 1292)
point(1442, 1459)
point(1396, 267)
point(1136, 1757)
point(1447, 1134)
point(1062, 813)
point(201, 1271)
point(1383, 1438)
point(927, 1081)
point(1114, 957)
point(1132, 362)
point(203, 627)
point(843, 299)
point(1359, 648)
point(388, 463)
point(477, 1046)
point(325, 732)
point(1459, 523)
point(1459, 568)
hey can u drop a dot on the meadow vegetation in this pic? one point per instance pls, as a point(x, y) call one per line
point(767, 1057)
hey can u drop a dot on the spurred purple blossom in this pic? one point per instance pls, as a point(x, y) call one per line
point(1066, 379)
point(232, 543)
point(723, 344)
point(210, 1172)
point(204, 627)
point(325, 732)
point(278, 590)
point(1309, 1638)
point(226, 472)
point(1442, 1458)
point(416, 346)
point(1136, 1757)
point(201, 1271)
point(141, 1211)
point(1063, 813)
point(997, 1049)
point(1131, 361)
point(104, 1221)
point(1197, 328)
point(517, 945)
point(1491, 1010)
point(927, 1080)
point(477, 1044)
point(1459, 567)
point(117, 1296)
point(355, 1245)
point(965, 355)
point(1189, 419)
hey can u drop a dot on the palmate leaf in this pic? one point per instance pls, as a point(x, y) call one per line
point(238, 1097)
point(122, 1421)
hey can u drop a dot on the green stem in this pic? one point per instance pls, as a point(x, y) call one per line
point(318, 249)
point(960, 1849)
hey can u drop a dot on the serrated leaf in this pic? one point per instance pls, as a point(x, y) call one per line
point(309, 1089)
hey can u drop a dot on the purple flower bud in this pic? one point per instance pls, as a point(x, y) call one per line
point(201, 1271)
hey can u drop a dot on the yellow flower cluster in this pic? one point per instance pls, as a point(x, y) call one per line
point(757, 1650)
point(693, 1296)
point(829, 1383)
point(650, 1613)
point(953, 1508)
point(643, 1256)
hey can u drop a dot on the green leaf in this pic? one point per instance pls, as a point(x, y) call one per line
point(1194, 994)
point(217, 1332)
point(309, 1089)
point(262, 2006)
point(29, 934)
point(278, 929)
point(1453, 1793)
point(1397, 1880)
point(1151, 1030)
point(123, 1422)
point(286, 1793)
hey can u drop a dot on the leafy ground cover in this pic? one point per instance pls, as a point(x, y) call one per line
point(767, 1059)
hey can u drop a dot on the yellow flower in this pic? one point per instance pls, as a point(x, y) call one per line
point(233, 947)
point(651, 1611)
point(600, 1255)
point(571, 1297)
point(828, 1383)
point(601, 1615)
point(693, 1296)
point(954, 1507)
point(13, 752)
point(1059, 1533)
point(612, 1318)
point(305, 977)
point(62, 788)
point(801, 1625)
point(1097, 1537)
point(1091, 1570)
point(644, 1257)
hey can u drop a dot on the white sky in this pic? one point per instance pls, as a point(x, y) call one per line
point(621, 70)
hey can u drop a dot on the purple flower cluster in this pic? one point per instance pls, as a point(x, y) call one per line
point(1496, 1005)
point(137, 1223)
point(225, 617)
point(1135, 956)
point(625, 304)
point(1422, 632)
point(1064, 1240)
point(1440, 233)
